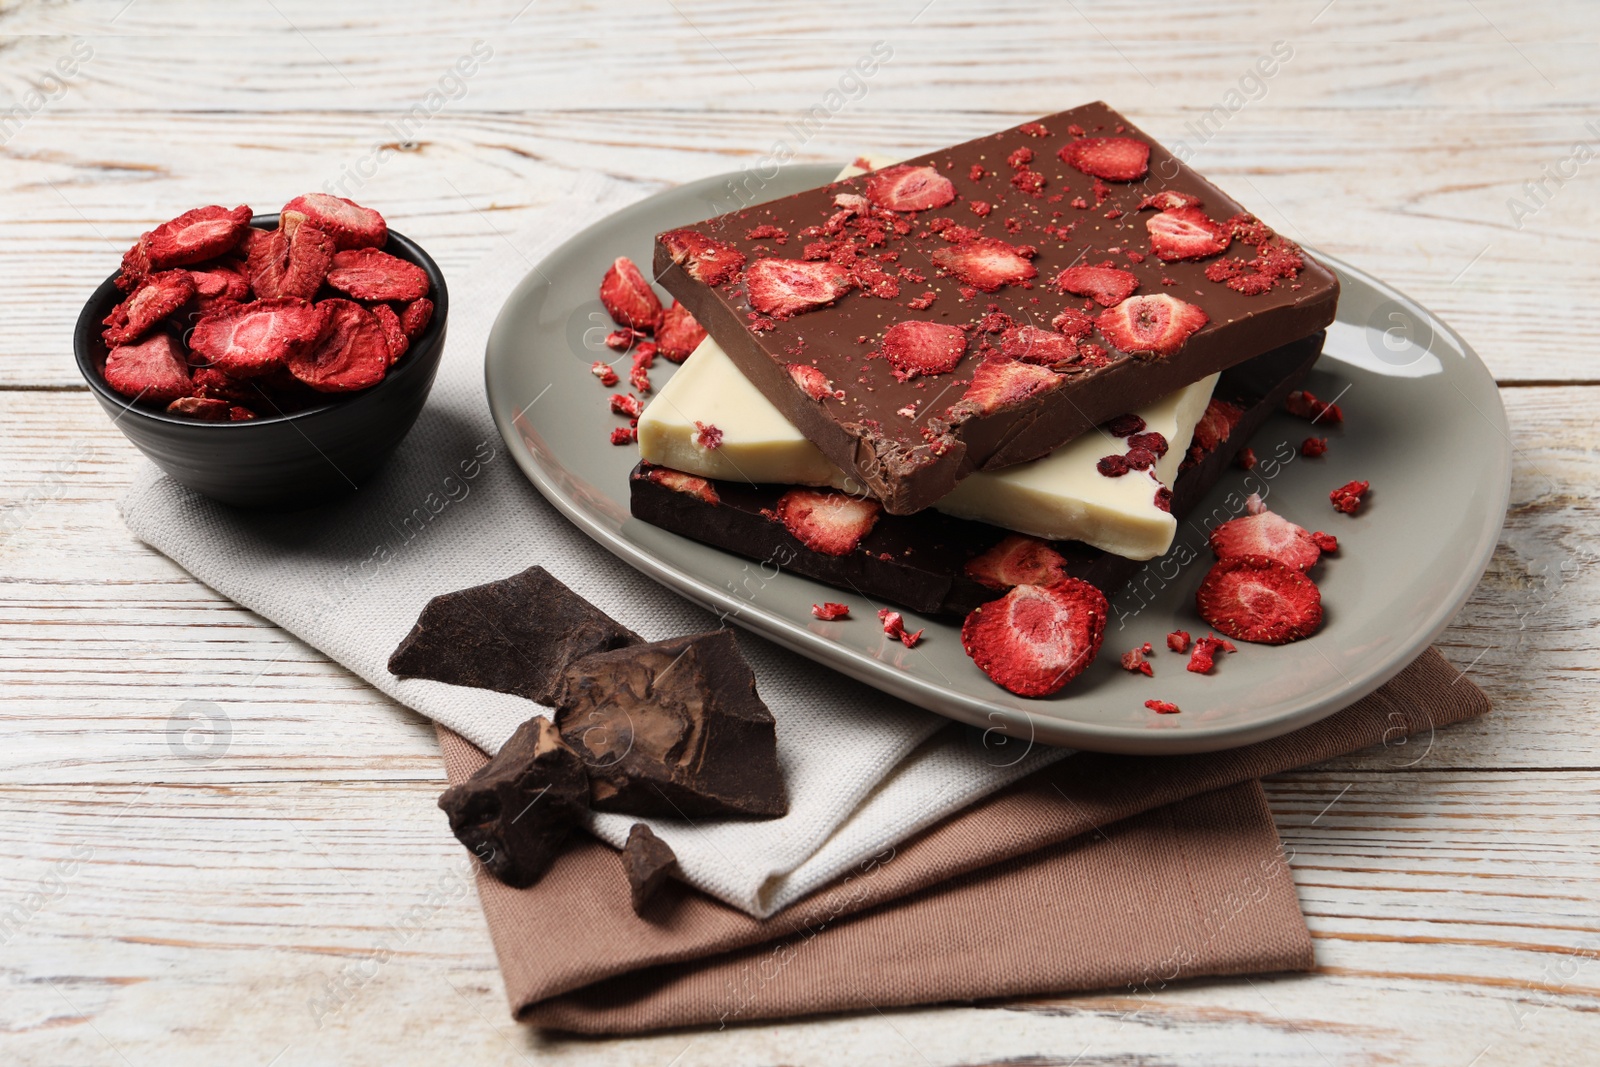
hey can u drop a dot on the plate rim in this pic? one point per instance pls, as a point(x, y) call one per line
point(950, 702)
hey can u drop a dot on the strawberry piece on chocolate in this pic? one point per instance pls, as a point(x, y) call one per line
point(154, 369)
point(347, 222)
point(1347, 498)
point(1186, 233)
point(1074, 323)
point(830, 523)
point(987, 263)
point(1269, 535)
point(1253, 598)
point(998, 383)
point(1116, 159)
point(679, 334)
point(1107, 285)
point(156, 297)
point(394, 335)
point(350, 354)
point(368, 274)
point(1017, 560)
point(628, 297)
point(1047, 348)
point(292, 261)
point(915, 347)
point(202, 408)
point(908, 188)
point(1168, 200)
point(813, 382)
point(1151, 326)
point(705, 259)
point(783, 288)
point(415, 316)
point(830, 611)
point(251, 339)
point(679, 482)
point(1037, 638)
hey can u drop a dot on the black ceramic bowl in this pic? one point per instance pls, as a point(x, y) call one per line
point(281, 462)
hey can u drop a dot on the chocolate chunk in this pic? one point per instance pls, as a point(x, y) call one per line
point(918, 561)
point(673, 728)
point(514, 813)
point(649, 862)
point(515, 635)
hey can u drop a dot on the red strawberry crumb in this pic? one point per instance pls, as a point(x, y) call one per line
point(628, 297)
point(639, 378)
point(1246, 458)
point(1112, 466)
point(923, 302)
point(706, 435)
point(607, 376)
point(1108, 286)
point(976, 173)
point(767, 231)
point(1304, 404)
point(1162, 707)
point(1080, 203)
point(1312, 447)
point(1178, 640)
point(626, 404)
point(1017, 560)
point(1034, 129)
point(1134, 660)
point(1036, 639)
point(980, 208)
point(1168, 200)
point(624, 435)
point(1325, 541)
point(622, 340)
point(909, 188)
point(917, 347)
point(827, 522)
point(1116, 159)
point(1256, 599)
point(894, 625)
point(1347, 498)
point(1266, 534)
point(705, 259)
point(830, 611)
point(1075, 130)
point(1074, 323)
point(1029, 181)
point(1020, 158)
point(1152, 326)
point(1205, 652)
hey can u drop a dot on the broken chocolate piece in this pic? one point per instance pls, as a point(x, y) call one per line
point(515, 636)
point(673, 728)
point(649, 862)
point(514, 813)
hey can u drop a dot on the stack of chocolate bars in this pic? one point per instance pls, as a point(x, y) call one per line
point(1018, 359)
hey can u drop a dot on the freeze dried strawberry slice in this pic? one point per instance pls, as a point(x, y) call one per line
point(193, 237)
point(679, 334)
point(350, 353)
point(1216, 425)
point(1037, 638)
point(1044, 347)
point(1168, 200)
point(999, 382)
point(1151, 326)
point(1108, 285)
point(415, 316)
point(1074, 323)
point(1256, 599)
point(368, 274)
point(1186, 233)
point(347, 222)
point(213, 384)
point(830, 523)
point(908, 188)
point(784, 288)
point(986, 263)
point(292, 262)
point(1347, 498)
point(705, 259)
point(830, 611)
point(240, 414)
point(215, 287)
point(394, 335)
point(158, 296)
point(628, 297)
point(199, 407)
point(915, 347)
point(1178, 640)
point(1017, 560)
point(154, 369)
point(1116, 159)
point(813, 382)
point(679, 482)
point(251, 339)
point(1269, 535)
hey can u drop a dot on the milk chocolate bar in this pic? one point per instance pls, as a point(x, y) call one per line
point(978, 306)
point(919, 562)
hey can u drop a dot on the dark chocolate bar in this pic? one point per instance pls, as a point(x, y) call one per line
point(809, 295)
point(919, 561)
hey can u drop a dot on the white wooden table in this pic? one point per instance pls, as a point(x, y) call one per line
point(184, 897)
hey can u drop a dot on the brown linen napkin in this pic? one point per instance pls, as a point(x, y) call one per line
point(1087, 874)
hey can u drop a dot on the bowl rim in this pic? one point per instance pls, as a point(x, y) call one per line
point(87, 327)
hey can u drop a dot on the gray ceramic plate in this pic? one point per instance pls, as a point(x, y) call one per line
point(1423, 423)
